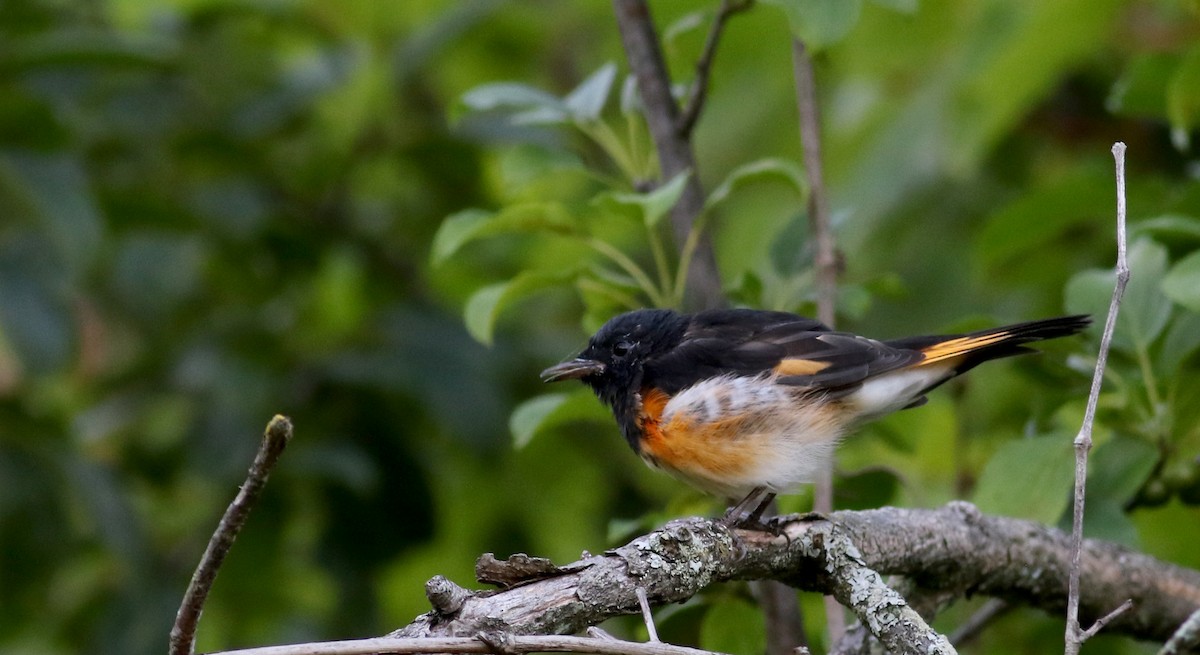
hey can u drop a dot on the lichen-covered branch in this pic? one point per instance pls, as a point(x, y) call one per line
point(952, 549)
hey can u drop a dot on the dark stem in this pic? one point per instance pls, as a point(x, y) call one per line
point(675, 154)
point(825, 259)
point(699, 91)
point(183, 633)
point(818, 199)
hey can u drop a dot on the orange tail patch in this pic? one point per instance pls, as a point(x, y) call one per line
point(940, 352)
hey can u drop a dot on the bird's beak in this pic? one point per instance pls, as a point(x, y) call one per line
point(573, 369)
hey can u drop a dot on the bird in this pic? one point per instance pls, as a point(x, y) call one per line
point(747, 404)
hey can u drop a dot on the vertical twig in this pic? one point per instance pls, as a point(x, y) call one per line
point(647, 616)
point(698, 92)
point(1075, 636)
point(642, 49)
point(993, 609)
point(782, 615)
point(183, 633)
point(825, 259)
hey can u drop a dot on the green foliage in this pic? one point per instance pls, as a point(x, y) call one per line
point(1153, 354)
point(214, 212)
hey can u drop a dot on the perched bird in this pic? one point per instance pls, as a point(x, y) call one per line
point(747, 404)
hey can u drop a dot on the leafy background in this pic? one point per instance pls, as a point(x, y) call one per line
point(215, 210)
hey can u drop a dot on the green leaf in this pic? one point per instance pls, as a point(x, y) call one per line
point(1038, 218)
point(485, 305)
point(1183, 99)
point(587, 100)
point(1139, 90)
point(528, 104)
point(541, 413)
point(902, 6)
point(733, 626)
point(820, 23)
point(1028, 478)
point(471, 224)
point(631, 102)
point(1182, 282)
point(755, 171)
point(1145, 310)
point(652, 205)
point(682, 25)
point(1119, 467)
point(1181, 341)
point(1170, 229)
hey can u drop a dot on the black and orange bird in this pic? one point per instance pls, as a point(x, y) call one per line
point(746, 404)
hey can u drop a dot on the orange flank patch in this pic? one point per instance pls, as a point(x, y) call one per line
point(699, 451)
point(800, 367)
point(939, 352)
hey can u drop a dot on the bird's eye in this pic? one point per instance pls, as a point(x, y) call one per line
point(622, 348)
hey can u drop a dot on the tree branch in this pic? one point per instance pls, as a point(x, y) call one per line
point(1186, 638)
point(1075, 635)
point(675, 154)
point(954, 548)
point(699, 90)
point(484, 643)
point(825, 259)
point(183, 633)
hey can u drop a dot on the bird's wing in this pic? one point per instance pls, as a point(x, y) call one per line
point(801, 351)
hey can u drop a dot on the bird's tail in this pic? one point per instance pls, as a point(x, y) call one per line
point(963, 352)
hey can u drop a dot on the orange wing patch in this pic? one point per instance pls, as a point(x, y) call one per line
point(800, 367)
point(939, 352)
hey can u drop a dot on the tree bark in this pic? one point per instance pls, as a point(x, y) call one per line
point(954, 548)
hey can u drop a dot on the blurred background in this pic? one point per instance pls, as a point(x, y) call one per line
point(212, 211)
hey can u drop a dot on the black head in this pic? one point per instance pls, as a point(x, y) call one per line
point(613, 361)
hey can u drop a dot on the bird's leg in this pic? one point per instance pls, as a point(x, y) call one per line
point(747, 512)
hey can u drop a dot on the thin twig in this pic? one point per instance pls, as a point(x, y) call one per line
point(781, 611)
point(783, 617)
point(993, 609)
point(1186, 638)
point(647, 617)
point(1104, 620)
point(697, 95)
point(183, 633)
point(1075, 636)
point(825, 259)
point(512, 643)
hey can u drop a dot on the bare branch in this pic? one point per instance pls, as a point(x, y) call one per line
point(675, 154)
point(954, 549)
point(825, 257)
point(818, 199)
point(647, 617)
point(697, 94)
point(781, 611)
point(513, 644)
point(975, 623)
point(1186, 638)
point(1075, 635)
point(1104, 620)
point(183, 633)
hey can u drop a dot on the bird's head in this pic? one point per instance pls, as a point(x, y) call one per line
point(615, 358)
